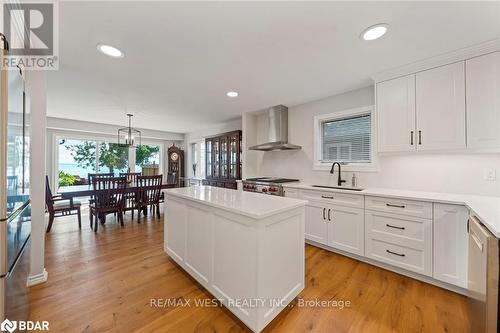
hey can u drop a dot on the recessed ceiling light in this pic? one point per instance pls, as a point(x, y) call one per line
point(110, 51)
point(232, 94)
point(375, 31)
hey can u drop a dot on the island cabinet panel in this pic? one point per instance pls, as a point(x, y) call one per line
point(198, 241)
point(233, 263)
point(254, 264)
point(175, 239)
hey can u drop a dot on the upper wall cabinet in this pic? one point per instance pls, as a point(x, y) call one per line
point(440, 108)
point(423, 111)
point(483, 101)
point(396, 114)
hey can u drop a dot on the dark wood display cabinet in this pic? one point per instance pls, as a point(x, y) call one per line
point(223, 159)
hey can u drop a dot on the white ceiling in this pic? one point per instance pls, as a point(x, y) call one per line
point(182, 58)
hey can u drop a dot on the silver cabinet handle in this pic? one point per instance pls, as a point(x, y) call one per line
point(327, 197)
point(395, 253)
point(329, 219)
point(324, 218)
point(411, 138)
point(396, 206)
point(395, 227)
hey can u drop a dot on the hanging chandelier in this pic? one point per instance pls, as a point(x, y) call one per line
point(129, 135)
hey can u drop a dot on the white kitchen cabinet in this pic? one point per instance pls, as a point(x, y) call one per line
point(316, 223)
point(483, 101)
point(399, 240)
point(396, 114)
point(450, 244)
point(440, 108)
point(346, 229)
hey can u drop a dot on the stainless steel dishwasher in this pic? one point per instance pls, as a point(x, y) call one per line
point(482, 280)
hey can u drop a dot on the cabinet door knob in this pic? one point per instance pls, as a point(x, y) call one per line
point(324, 217)
point(411, 138)
point(329, 219)
point(419, 137)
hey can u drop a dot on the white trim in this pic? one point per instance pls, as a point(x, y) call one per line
point(37, 278)
point(364, 167)
point(440, 60)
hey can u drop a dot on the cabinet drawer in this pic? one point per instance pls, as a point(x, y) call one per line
point(415, 260)
point(408, 231)
point(333, 198)
point(421, 209)
point(291, 193)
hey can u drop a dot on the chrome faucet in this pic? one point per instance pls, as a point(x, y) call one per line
point(340, 180)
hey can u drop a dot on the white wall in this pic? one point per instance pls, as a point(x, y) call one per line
point(450, 172)
point(199, 137)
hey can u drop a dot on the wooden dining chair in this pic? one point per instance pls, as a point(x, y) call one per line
point(109, 193)
point(58, 207)
point(129, 200)
point(148, 194)
point(90, 178)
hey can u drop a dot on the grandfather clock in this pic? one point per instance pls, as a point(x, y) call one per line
point(176, 163)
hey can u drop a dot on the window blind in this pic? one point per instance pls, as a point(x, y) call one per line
point(347, 140)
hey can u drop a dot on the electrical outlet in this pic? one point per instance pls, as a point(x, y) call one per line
point(489, 174)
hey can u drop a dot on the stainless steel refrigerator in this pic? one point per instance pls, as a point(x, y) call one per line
point(15, 209)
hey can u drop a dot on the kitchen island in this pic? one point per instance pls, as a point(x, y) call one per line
point(247, 249)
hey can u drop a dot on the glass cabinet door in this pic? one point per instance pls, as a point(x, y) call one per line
point(223, 157)
point(233, 157)
point(216, 157)
point(208, 151)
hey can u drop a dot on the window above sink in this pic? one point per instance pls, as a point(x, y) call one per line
point(347, 137)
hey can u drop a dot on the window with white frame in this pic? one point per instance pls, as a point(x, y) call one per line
point(345, 137)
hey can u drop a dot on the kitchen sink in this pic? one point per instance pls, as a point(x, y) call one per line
point(340, 187)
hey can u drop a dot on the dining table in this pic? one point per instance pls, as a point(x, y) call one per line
point(77, 191)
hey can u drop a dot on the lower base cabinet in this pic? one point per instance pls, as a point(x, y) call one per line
point(399, 240)
point(346, 229)
point(336, 226)
point(427, 238)
point(450, 244)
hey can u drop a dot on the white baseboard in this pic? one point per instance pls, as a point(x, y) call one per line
point(38, 278)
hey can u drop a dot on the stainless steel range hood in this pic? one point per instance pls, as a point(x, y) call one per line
point(278, 131)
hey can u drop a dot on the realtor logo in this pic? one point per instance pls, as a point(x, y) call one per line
point(31, 32)
point(8, 326)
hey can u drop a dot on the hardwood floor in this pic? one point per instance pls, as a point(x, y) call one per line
point(104, 282)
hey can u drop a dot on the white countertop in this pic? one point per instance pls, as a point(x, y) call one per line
point(250, 204)
point(487, 209)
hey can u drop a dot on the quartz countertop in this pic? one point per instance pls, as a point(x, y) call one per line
point(250, 204)
point(486, 208)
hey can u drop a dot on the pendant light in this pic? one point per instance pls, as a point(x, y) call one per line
point(129, 135)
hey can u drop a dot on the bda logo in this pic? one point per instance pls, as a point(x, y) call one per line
point(9, 326)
